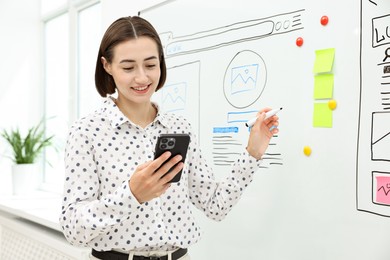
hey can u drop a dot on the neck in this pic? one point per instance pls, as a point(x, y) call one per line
point(140, 114)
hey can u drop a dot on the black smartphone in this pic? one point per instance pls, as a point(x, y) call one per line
point(176, 144)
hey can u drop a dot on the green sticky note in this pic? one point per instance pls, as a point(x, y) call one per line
point(324, 60)
point(323, 86)
point(322, 115)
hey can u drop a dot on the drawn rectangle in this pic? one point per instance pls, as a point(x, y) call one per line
point(381, 188)
point(174, 96)
point(244, 78)
point(244, 116)
point(380, 136)
point(380, 32)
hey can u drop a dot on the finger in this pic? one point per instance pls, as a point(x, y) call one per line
point(265, 110)
point(273, 118)
point(168, 165)
point(168, 177)
point(156, 164)
point(274, 130)
point(144, 165)
point(272, 124)
point(260, 118)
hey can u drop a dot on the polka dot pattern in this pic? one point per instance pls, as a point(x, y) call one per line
point(99, 210)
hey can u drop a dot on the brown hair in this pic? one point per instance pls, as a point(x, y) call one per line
point(123, 29)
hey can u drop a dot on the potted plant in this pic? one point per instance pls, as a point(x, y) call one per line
point(26, 151)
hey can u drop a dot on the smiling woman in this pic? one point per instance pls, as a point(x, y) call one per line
point(118, 198)
point(136, 79)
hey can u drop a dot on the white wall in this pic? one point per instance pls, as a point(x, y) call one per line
point(113, 10)
point(21, 100)
point(21, 88)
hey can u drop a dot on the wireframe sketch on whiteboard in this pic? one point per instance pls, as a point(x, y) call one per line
point(174, 96)
point(233, 88)
point(181, 86)
point(245, 79)
point(373, 153)
point(229, 34)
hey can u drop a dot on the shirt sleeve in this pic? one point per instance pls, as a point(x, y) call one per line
point(217, 198)
point(85, 212)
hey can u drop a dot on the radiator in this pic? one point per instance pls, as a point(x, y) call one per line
point(25, 240)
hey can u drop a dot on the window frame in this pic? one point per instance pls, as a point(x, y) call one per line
point(73, 8)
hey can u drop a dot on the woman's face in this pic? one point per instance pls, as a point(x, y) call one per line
point(135, 68)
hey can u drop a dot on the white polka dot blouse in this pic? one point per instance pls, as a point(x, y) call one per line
point(98, 208)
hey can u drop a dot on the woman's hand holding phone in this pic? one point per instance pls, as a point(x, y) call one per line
point(151, 179)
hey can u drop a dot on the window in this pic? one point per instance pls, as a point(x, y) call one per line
point(71, 39)
point(48, 6)
point(56, 49)
point(90, 33)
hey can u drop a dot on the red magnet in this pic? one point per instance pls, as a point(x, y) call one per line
point(299, 41)
point(324, 20)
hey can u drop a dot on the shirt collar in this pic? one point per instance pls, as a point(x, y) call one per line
point(117, 118)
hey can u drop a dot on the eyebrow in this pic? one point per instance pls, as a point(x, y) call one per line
point(128, 60)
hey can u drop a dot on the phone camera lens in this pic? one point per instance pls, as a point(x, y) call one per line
point(171, 143)
point(163, 146)
point(164, 140)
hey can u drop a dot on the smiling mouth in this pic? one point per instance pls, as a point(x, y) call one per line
point(141, 89)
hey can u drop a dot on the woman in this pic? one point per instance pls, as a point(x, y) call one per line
point(117, 198)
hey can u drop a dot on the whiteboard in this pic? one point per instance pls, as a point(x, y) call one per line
point(228, 59)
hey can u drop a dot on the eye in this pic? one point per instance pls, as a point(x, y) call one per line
point(151, 66)
point(128, 68)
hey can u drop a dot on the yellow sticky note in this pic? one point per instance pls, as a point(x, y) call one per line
point(322, 115)
point(323, 86)
point(324, 60)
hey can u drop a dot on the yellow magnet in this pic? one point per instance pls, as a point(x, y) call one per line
point(307, 150)
point(332, 104)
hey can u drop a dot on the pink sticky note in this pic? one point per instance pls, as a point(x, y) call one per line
point(383, 189)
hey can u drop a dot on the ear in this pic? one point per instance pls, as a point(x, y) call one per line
point(106, 65)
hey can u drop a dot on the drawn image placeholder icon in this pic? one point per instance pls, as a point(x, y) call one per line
point(245, 79)
point(380, 141)
point(174, 97)
point(381, 188)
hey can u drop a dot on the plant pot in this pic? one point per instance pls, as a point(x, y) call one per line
point(24, 178)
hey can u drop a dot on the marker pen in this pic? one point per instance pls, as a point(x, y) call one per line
point(270, 113)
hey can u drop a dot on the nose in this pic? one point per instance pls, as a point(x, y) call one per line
point(141, 76)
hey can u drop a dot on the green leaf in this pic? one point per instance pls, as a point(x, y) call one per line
point(27, 149)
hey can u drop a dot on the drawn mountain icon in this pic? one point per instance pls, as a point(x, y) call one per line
point(174, 97)
point(244, 78)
